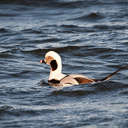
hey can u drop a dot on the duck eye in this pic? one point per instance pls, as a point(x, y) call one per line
point(54, 65)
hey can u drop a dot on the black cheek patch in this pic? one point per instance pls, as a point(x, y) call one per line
point(53, 65)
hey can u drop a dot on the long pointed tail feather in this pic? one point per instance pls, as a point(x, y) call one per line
point(110, 75)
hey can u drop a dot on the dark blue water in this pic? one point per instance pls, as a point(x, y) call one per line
point(92, 38)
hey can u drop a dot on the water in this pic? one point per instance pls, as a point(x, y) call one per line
point(92, 38)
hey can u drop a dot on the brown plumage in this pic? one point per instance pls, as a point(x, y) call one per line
point(82, 80)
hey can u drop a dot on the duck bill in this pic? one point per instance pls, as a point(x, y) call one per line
point(42, 61)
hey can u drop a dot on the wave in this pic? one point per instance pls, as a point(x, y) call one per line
point(110, 27)
point(53, 3)
point(62, 3)
point(8, 14)
point(4, 30)
point(91, 89)
point(89, 50)
point(22, 110)
point(90, 17)
point(44, 50)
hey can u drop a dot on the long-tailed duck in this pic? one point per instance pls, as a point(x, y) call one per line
point(58, 79)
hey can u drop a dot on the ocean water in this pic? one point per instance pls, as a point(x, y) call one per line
point(92, 38)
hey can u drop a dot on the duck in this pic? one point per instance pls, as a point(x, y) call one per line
point(59, 79)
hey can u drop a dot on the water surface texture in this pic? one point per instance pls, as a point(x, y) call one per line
point(92, 38)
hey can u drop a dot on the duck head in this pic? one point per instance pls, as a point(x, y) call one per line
point(53, 59)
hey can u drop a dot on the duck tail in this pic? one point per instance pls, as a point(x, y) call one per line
point(112, 74)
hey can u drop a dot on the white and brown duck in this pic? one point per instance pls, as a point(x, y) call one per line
point(58, 79)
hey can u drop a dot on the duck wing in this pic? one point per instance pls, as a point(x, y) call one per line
point(69, 80)
point(77, 79)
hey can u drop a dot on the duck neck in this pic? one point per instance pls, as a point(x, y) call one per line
point(56, 74)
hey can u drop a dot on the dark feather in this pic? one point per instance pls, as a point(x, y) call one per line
point(53, 65)
point(82, 80)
